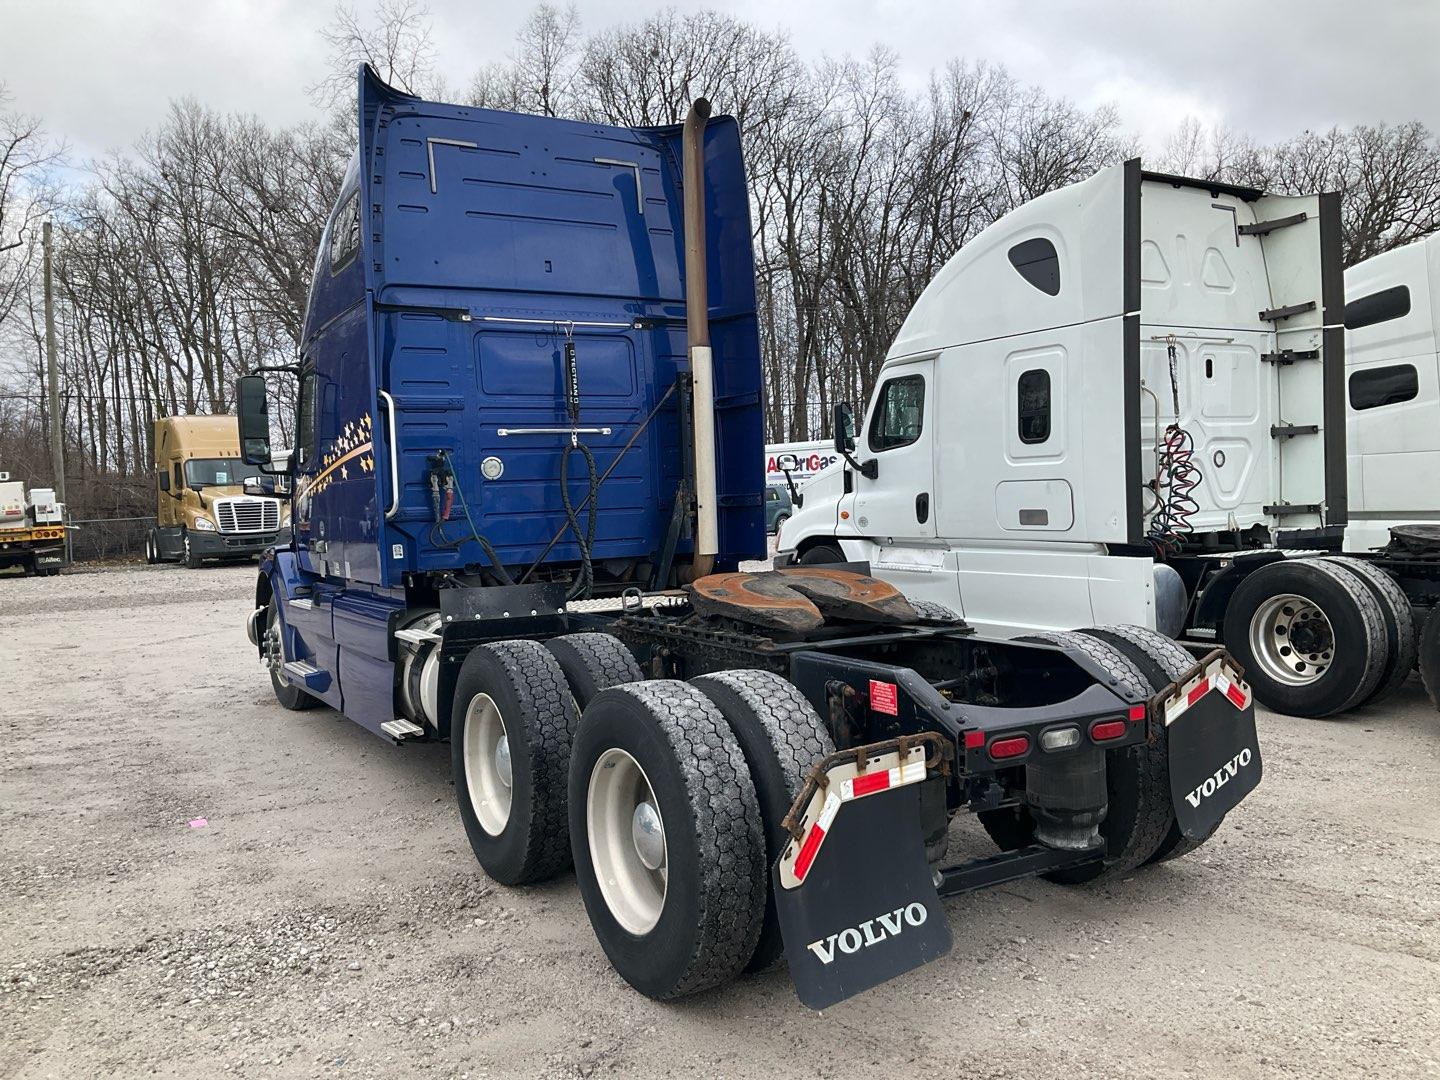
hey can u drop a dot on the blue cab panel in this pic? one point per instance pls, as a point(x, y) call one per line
point(467, 247)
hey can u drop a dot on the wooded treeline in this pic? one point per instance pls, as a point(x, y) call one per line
point(184, 261)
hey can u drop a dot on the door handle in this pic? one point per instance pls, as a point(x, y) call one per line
point(922, 507)
point(394, 458)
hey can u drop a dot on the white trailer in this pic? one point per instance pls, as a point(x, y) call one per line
point(1105, 409)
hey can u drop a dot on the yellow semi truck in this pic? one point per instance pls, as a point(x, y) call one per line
point(203, 511)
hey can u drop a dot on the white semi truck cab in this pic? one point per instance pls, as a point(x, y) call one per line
point(1392, 361)
point(1105, 409)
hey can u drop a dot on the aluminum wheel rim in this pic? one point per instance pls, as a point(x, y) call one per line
point(488, 774)
point(274, 651)
point(626, 834)
point(1292, 639)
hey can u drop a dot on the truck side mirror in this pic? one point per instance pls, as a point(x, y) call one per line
point(252, 405)
point(788, 463)
point(844, 423)
point(260, 485)
point(163, 478)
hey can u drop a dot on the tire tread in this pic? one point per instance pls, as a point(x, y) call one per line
point(728, 830)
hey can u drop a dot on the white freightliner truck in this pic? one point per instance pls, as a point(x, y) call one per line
point(1111, 407)
point(1392, 362)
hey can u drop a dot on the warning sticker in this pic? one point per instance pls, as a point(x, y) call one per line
point(884, 698)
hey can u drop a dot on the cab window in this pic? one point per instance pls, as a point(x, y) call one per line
point(305, 421)
point(899, 413)
point(345, 233)
point(1034, 405)
point(1375, 387)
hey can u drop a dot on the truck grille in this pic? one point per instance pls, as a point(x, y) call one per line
point(247, 515)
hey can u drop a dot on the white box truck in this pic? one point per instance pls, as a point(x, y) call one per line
point(1109, 408)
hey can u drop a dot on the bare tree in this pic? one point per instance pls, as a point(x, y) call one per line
point(25, 156)
point(397, 40)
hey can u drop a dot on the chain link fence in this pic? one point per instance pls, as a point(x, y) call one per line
point(108, 539)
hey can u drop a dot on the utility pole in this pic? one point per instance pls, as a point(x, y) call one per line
point(57, 445)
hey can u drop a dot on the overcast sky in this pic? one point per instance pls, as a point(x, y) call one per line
point(100, 72)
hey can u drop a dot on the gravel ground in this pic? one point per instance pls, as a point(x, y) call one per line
point(329, 920)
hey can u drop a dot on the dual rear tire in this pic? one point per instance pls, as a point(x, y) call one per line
point(1320, 636)
point(712, 765)
point(667, 793)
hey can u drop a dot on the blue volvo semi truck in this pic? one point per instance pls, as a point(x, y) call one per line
point(527, 467)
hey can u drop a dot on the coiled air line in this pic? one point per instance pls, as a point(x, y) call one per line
point(1176, 475)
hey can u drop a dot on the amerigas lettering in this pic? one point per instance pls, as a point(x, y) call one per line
point(871, 932)
point(1221, 777)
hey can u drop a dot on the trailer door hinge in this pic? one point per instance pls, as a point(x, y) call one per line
point(1279, 313)
point(1289, 431)
point(1260, 228)
point(1289, 356)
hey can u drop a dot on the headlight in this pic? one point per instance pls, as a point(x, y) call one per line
point(203, 524)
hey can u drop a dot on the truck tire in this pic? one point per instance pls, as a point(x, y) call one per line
point(781, 736)
point(289, 697)
point(675, 892)
point(511, 727)
point(593, 662)
point(1164, 662)
point(821, 553)
point(1429, 647)
point(152, 548)
point(1137, 779)
point(1342, 655)
point(934, 611)
point(1399, 624)
point(188, 555)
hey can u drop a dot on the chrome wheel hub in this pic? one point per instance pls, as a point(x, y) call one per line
point(648, 834)
point(1292, 639)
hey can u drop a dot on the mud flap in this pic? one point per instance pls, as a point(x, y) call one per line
point(1214, 749)
point(855, 896)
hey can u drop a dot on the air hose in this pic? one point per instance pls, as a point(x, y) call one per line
point(1176, 477)
point(584, 582)
point(443, 491)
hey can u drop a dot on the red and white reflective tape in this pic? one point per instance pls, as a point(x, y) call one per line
point(1213, 679)
point(857, 787)
point(816, 836)
point(882, 780)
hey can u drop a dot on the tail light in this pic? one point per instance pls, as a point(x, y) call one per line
point(1012, 747)
point(1105, 730)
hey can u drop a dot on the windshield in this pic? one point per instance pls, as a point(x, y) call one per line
point(219, 472)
